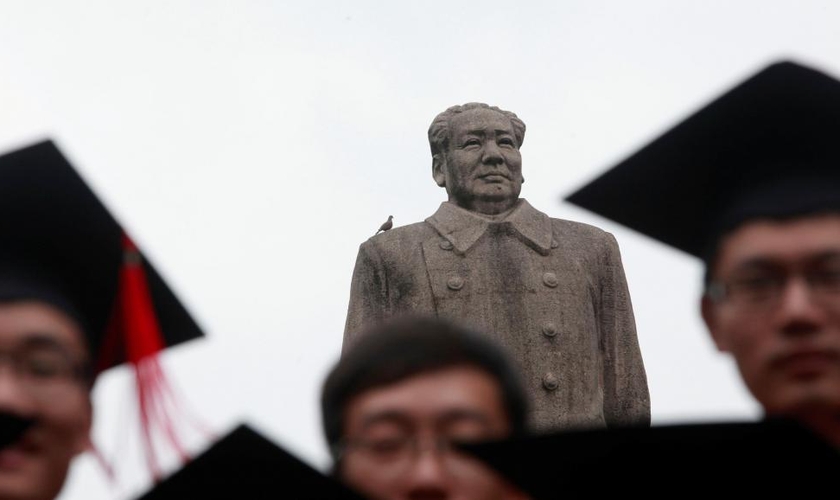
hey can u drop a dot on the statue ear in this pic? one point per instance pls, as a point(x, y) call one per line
point(438, 169)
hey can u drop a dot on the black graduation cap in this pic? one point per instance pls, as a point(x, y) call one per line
point(771, 456)
point(60, 244)
point(245, 464)
point(12, 427)
point(767, 148)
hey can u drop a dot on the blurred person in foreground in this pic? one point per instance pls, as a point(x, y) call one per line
point(399, 398)
point(751, 185)
point(76, 298)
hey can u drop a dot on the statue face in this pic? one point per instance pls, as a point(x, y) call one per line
point(482, 168)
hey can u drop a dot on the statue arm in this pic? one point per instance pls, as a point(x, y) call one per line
point(626, 395)
point(368, 293)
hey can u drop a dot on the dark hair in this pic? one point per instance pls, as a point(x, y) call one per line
point(439, 129)
point(409, 346)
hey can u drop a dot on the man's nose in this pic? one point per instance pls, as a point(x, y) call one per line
point(13, 396)
point(492, 154)
point(429, 476)
point(798, 311)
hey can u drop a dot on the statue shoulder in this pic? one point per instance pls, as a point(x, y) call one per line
point(401, 235)
point(581, 232)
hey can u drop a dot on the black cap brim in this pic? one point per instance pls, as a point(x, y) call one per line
point(244, 464)
point(674, 460)
point(768, 147)
point(55, 229)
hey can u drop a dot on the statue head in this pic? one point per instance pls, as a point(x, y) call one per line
point(475, 156)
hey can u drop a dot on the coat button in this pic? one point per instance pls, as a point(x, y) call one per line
point(446, 244)
point(549, 330)
point(550, 382)
point(550, 280)
point(455, 283)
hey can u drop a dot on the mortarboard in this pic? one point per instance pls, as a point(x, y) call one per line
point(12, 427)
point(771, 456)
point(58, 239)
point(245, 464)
point(766, 148)
point(60, 245)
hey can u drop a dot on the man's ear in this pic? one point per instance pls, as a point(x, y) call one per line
point(438, 169)
point(709, 311)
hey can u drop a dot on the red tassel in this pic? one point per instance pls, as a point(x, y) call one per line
point(143, 337)
point(135, 336)
point(104, 464)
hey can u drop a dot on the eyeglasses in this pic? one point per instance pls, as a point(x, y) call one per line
point(763, 290)
point(44, 370)
point(397, 453)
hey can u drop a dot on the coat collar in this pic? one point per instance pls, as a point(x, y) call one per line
point(463, 228)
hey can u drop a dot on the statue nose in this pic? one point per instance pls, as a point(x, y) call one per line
point(492, 154)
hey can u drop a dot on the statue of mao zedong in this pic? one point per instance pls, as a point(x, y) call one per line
point(552, 291)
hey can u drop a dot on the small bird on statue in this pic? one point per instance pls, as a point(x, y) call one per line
point(388, 224)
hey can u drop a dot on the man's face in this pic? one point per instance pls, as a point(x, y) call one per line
point(482, 163)
point(44, 384)
point(780, 318)
point(395, 438)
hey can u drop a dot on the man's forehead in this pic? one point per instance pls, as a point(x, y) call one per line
point(799, 237)
point(430, 394)
point(478, 120)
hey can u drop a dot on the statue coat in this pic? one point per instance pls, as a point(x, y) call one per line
point(551, 291)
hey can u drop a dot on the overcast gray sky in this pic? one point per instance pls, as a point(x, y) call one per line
point(251, 146)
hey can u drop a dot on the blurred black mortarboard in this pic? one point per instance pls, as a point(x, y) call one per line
point(767, 148)
point(60, 245)
point(677, 460)
point(244, 464)
point(12, 427)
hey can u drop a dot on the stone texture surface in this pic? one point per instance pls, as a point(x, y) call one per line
point(552, 291)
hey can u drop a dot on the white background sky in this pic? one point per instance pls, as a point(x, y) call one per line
point(251, 146)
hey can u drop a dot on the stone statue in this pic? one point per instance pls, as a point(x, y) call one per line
point(552, 291)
